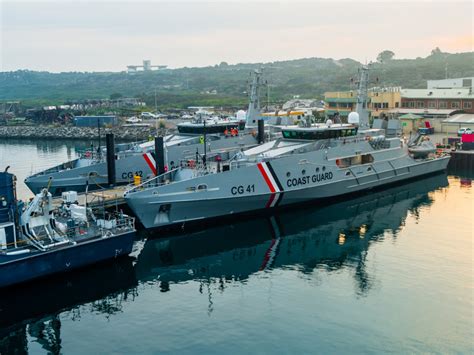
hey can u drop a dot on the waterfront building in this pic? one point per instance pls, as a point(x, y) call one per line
point(458, 99)
point(381, 100)
point(438, 103)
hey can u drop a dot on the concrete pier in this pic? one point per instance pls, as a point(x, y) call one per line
point(462, 159)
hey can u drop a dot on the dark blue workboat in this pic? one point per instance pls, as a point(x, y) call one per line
point(39, 239)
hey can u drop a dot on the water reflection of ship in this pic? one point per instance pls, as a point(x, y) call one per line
point(33, 309)
point(327, 237)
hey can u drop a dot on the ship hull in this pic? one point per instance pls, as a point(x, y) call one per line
point(162, 210)
point(26, 267)
point(93, 176)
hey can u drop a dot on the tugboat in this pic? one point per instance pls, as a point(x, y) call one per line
point(205, 134)
point(38, 239)
point(310, 162)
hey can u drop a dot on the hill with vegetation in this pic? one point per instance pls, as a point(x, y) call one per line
point(227, 85)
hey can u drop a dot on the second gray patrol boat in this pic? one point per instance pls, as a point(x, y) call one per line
point(310, 162)
point(205, 134)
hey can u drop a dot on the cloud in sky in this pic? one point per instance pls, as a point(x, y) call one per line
point(108, 35)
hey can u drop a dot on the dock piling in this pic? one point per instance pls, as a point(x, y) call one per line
point(110, 144)
point(159, 155)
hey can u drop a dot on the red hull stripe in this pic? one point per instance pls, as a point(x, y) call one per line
point(266, 178)
point(150, 163)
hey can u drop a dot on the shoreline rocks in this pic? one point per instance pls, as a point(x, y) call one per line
point(71, 132)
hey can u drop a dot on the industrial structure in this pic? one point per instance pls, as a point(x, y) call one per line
point(147, 66)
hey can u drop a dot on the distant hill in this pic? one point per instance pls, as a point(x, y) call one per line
point(227, 84)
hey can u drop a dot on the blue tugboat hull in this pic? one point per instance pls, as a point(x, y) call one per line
point(16, 269)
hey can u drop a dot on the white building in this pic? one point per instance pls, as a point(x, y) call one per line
point(451, 83)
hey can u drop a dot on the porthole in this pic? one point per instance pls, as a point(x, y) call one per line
point(202, 187)
point(288, 174)
point(317, 170)
point(303, 172)
point(369, 169)
point(324, 168)
point(348, 173)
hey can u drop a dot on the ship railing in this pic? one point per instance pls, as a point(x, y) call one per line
point(159, 180)
point(116, 222)
point(91, 154)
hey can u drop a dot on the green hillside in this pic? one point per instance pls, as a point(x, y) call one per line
point(309, 78)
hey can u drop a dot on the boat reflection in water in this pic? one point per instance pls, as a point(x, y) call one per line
point(33, 309)
point(306, 239)
point(329, 238)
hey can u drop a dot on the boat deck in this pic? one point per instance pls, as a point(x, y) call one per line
point(107, 198)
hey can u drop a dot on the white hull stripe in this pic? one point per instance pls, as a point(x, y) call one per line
point(150, 160)
point(275, 177)
point(270, 177)
point(273, 184)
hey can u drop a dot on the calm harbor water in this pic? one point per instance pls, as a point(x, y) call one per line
point(390, 271)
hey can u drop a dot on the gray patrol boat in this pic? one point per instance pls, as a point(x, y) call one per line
point(309, 162)
point(203, 135)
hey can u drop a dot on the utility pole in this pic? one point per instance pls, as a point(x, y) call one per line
point(156, 106)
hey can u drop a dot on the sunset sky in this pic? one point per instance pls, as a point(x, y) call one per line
point(109, 35)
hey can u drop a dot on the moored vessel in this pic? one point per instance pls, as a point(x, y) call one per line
point(39, 239)
point(310, 162)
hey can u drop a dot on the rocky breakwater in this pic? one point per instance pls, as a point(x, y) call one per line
point(69, 132)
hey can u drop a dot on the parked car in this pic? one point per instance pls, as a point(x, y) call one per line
point(133, 119)
point(148, 115)
point(464, 130)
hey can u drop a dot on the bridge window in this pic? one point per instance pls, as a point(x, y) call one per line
point(355, 160)
point(320, 134)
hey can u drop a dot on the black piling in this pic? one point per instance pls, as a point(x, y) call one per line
point(261, 132)
point(110, 144)
point(159, 155)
